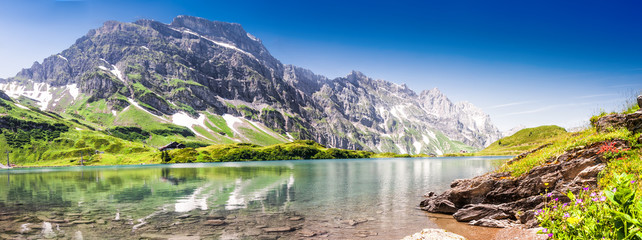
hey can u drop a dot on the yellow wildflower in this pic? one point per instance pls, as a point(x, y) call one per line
point(573, 220)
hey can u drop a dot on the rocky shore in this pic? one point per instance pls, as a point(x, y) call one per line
point(499, 200)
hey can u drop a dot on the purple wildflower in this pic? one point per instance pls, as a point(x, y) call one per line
point(602, 199)
point(632, 181)
point(586, 189)
point(556, 199)
point(550, 235)
point(566, 215)
point(549, 194)
point(593, 194)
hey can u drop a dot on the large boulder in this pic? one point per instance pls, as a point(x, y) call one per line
point(632, 122)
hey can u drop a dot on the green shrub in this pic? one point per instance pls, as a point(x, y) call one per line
point(129, 133)
point(185, 155)
point(170, 130)
point(114, 147)
point(80, 144)
point(100, 142)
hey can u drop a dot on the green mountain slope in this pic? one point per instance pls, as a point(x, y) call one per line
point(33, 137)
point(524, 140)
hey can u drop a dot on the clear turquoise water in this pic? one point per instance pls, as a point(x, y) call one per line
point(337, 199)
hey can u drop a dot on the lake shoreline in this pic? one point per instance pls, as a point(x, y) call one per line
point(136, 164)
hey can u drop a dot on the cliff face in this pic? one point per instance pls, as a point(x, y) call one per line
point(196, 66)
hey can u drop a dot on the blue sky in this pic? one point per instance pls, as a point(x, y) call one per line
point(523, 62)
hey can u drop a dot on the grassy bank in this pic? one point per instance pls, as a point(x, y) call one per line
point(119, 152)
point(614, 209)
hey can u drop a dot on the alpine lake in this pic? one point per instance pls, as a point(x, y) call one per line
point(316, 199)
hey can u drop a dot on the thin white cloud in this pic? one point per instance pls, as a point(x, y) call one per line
point(596, 95)
point(510, 104)
point(549, 107)
point(530, 111)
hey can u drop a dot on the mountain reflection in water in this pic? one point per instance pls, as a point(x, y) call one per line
point(375, 198)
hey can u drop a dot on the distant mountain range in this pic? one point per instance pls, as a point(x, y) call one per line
point(222, 83)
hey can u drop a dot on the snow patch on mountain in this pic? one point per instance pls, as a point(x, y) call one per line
point(231, 120)
point(73, 90)
point(61, 57)
point(117, 73)
point(42, 92)
point(182, 119)
point(417, 146)
point(21, 106)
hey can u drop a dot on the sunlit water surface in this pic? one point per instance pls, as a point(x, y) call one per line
point(336, 199)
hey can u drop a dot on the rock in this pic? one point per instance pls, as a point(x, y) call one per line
point(494, 223)
point(6, 236)
point(278, 229)
point(640, 102)
point(183, 216)
point(267, 237)
point(438, 206)
point(100, 221)
point(524, 154)
point(296, 218)
point(354, 222)
point(57, 221)
point(434, 234)
point(23, 219)
point(83, 222)
point(528, 219)
point(216, 222)
point(632, 122)
point(215, 217)
point(306, 233)
point(479, 211)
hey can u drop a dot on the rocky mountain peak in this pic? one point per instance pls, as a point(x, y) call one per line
point(220, 68)
point(230, 33)
point(432, 93)
point(207, 27)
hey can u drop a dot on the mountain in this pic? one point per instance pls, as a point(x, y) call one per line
point(512, 130)
point(223, 85)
